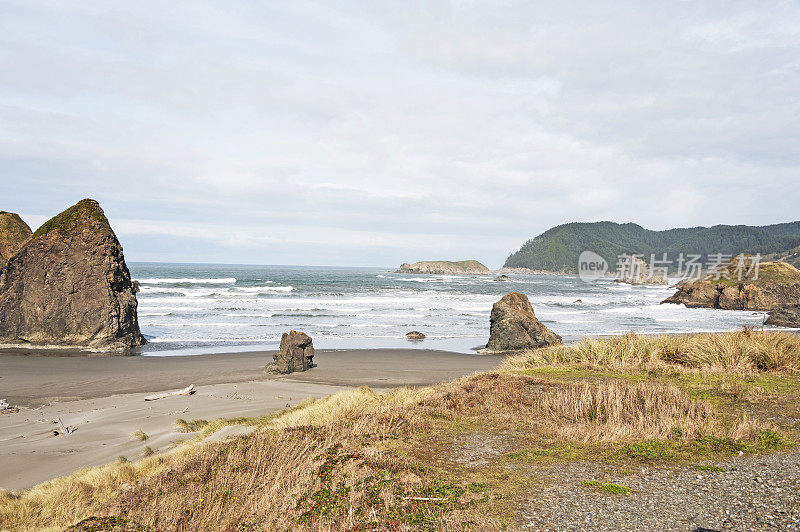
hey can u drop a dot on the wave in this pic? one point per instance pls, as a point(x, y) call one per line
point(259, 289)
point(187, 280)
point(426, 280)
point(245, 315)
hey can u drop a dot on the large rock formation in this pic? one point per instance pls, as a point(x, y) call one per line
point(445, 267)
point(13, 233)
point(788, 316)
point(776, 284)
point(296, 353)
point(68, 285)
point(514, 327)
point(634, 270)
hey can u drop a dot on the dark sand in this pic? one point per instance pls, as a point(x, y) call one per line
point(103, 398)
point(33, 380)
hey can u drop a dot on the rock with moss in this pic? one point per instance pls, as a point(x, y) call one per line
point(788, 316)
point(68, 285)
point(445, 267)
point(514, 326)
point(739, 285)
point(13, 233)
point(296, 353)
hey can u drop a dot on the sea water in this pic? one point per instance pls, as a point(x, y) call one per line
point(204, 308)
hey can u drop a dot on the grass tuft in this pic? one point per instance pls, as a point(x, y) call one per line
point(194, 425)
point(611, 488)
point(746, 351)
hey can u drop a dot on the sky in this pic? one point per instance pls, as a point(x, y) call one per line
point(374, 133)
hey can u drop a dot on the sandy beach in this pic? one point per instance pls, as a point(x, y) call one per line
point(103, 398)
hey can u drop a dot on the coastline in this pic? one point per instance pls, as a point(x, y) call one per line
point(103, 398)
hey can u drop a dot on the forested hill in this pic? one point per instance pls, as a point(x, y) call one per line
point(558, 249)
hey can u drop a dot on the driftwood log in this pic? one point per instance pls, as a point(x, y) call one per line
point(189, 390)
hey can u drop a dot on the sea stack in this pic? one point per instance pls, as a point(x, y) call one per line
point(772, 285)
point(68, 285)
point(296, 353)
point(13, 233)
point(445, 267)
point(514, 327)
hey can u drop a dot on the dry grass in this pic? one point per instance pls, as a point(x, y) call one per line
point(746, 351)
point(615, 411)
point(139, 435)
point(181, 425)
point(55, 504)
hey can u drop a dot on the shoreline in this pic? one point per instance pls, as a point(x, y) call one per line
point(102, 397)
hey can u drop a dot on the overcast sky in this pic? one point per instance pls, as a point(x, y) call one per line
point(371, 133)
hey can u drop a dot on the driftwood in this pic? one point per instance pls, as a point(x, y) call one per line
point(189, 390)
point(66, 429)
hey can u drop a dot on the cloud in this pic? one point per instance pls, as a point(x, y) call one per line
point(372, 133)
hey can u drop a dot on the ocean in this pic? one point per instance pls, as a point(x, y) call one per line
point(187, 309)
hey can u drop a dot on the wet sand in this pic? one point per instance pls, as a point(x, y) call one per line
point(103, 398)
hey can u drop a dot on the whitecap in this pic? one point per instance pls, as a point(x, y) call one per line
point(187, 280)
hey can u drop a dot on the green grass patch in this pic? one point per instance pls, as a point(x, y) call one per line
point(610, 487)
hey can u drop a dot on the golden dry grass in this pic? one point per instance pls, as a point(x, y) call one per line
point(614, 411)
point(742, 351)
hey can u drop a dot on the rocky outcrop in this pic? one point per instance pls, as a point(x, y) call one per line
point(13, 233)
point(788, 316)
point(776, 284)
point(634, 270)
point(445, 267)
point(68, 285)
point(514, 327)
point(296, 353)
point(415, 335)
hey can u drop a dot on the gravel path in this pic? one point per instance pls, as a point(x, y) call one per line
point(759, 492)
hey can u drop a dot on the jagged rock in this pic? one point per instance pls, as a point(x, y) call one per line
point(68, 285)
point(445, 267)
point(776, 285)
point(514, 327)
point(415, 335)
point(296, 353)
point(578, 301)
point(788, 316)
point(501, 278)
point(636, 271)
point(13, 233)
